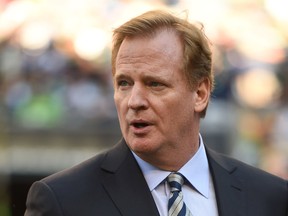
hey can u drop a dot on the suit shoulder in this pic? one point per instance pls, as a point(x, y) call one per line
point(82, 170)
point(243, 170)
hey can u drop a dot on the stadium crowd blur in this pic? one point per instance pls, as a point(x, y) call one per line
point(55, 70)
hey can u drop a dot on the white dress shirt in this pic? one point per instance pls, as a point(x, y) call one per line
point(199, 195)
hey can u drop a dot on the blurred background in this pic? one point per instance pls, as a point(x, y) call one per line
point(56, 93)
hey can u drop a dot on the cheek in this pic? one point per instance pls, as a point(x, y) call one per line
point(179, 112)
point(118, 105)
point(168, 113)
point(118, 100)
point(122, 109)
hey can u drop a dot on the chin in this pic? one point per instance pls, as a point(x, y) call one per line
point(142, 146)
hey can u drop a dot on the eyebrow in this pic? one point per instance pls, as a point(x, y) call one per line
point(120, 76)
point(145, 76)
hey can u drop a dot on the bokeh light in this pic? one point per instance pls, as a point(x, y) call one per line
point(257, 88)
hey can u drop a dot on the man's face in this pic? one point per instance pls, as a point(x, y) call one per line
point(154, 103)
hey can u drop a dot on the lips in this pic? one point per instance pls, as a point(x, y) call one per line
point(140, 125)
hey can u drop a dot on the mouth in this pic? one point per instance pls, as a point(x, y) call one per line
point(140, 124)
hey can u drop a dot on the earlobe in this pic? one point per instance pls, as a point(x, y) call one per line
point(202, 95)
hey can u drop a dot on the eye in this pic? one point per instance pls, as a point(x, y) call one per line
point(155, 84)
point(123, 83)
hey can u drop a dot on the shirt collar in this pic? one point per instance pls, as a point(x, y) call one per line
point(196, 171)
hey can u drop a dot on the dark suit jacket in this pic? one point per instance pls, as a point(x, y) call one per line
point(112, 184)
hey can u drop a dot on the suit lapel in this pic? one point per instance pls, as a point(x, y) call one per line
point(228, 186)
point(125, 183)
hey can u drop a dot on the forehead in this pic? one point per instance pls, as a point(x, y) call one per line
point(164, 45)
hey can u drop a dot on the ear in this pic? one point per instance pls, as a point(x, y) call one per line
point(203, 91)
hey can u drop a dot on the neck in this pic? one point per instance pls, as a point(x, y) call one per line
point(172, 160)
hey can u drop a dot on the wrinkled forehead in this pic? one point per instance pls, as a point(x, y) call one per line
point(161, 44)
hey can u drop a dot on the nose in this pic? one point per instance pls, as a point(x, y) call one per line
point(138, 98)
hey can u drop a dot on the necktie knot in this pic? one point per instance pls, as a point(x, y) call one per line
point(175, 181)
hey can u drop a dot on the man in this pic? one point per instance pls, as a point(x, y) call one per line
point(162, 76)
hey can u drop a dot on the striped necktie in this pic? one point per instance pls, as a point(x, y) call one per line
point(176, 205)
